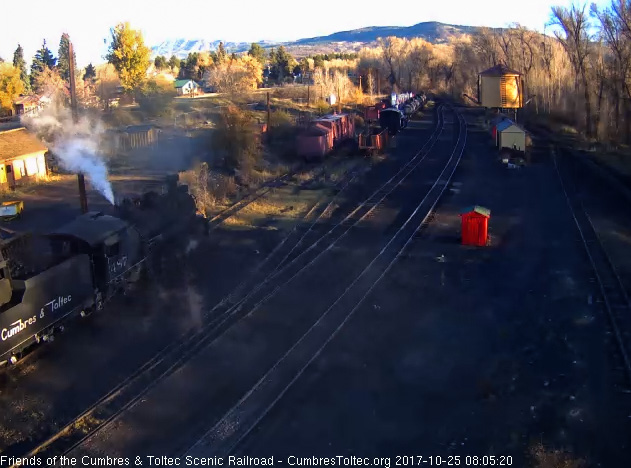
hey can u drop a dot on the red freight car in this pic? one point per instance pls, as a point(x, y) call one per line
point(337, 129)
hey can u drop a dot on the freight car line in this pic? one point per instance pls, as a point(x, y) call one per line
point(242, 418)
point(351, 220)
point(217, 327)
point(154, 370)
point(370, 203)
point(612, 290)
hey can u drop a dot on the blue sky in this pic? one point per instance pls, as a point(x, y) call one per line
point(88, 23)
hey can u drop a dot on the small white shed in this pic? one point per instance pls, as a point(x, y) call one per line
point(511, 135)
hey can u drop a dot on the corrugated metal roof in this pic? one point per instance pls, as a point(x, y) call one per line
point(477, 209)
point(19, 142)
point(139, 128)
point(504, 124)
point(510, 127)
point(499, 70)
point(181, 83)
point(497, 119)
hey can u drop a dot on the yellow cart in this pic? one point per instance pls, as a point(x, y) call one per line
point(11, 210)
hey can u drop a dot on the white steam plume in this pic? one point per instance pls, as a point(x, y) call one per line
point(76, 145)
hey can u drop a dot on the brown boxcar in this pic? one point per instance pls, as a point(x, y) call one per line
point(314, 142)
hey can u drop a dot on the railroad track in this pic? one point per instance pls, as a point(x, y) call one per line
point(613, 293)
point(259, 192)
point(220, 318)
point(242, 418)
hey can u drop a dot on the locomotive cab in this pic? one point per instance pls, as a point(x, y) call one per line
point(112, 245)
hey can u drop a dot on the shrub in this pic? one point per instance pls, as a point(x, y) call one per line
point(237, 140)
point(156, 98)
point(207, 187)
point(322, 107)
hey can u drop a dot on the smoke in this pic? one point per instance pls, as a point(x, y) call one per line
point(75, 145)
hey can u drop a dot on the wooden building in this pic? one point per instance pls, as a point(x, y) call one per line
point(133, 136)
point(500, 87)
point(22, 157)
point(186, 87)
point(510, 135)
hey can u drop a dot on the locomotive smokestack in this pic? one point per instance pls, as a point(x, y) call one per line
point(83, 199)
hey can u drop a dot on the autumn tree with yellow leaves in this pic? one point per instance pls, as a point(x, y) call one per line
point(129, 55)
point(236, 75)
point(11, 86)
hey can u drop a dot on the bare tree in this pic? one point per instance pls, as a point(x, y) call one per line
point(575, 39)
point(615, 29)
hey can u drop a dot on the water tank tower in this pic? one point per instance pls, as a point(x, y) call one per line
point(501, 88)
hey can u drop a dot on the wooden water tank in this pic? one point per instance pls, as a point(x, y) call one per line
point(501, 87)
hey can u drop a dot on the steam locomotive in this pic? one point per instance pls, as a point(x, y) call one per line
point(77, 268)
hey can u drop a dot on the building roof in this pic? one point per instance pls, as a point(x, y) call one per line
point(26, 100)
point(19, 142)
point(499, 70)
point(503, 125)
point(182, 83)
point(510, 127)
point(477, 209)
point(139, 128)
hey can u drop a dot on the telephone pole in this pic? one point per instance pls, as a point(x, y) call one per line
point(268, 112)
point(83, 199)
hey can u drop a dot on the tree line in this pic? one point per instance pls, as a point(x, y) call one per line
point(48, 74)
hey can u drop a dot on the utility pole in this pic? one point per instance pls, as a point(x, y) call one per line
point(360, 83)
point(83, 199)
point(308, 95)
point(268, 113)
point(378, 84)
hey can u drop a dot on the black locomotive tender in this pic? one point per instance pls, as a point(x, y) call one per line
point(76, 269)
point(396, 118)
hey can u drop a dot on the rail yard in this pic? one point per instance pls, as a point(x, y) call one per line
point(363, 327)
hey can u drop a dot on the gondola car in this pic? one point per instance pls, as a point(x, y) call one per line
point(78, 267)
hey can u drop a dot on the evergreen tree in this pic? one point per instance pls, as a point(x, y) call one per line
point(318, 61)
point(160, 62)
point(282, 64)
point(257, 52)
point(43, 59)
point(174, 62)
point(221, 53)
point(20, 64)
point(90, 72)
point(63, 64)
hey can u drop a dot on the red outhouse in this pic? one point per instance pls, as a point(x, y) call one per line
point(475, 223)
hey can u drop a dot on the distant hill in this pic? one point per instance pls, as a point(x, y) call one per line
point(431, 31)
point(182, 47)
